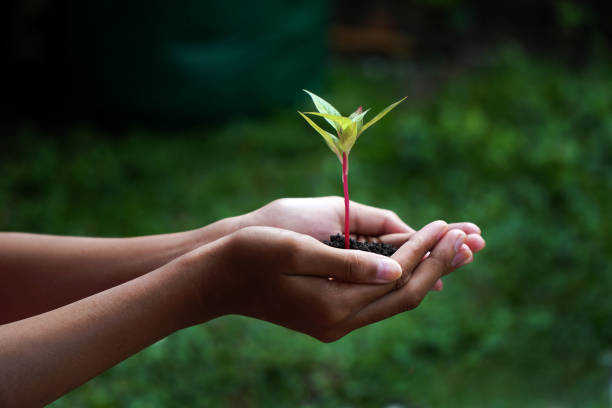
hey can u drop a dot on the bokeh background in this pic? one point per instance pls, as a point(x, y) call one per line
point(132, 118)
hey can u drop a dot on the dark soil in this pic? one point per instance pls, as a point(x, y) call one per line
point(337, 241)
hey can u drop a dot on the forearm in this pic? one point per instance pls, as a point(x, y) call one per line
point(41, 272)
point(45, 356)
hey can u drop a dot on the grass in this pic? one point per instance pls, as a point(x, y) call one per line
point(518, 144)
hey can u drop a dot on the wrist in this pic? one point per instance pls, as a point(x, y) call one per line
point(207, 268)
point(212, 232)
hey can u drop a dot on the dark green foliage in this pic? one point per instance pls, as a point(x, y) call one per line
point(520, 146)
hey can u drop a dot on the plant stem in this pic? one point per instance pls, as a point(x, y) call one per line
point(346, 199)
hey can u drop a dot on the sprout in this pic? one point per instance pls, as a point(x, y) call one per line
point(348, 129)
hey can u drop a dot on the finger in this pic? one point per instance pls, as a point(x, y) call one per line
point(413, 251)
point(367, 220)
point(396, 239)
point(399, 239)
point(438, 286)
point(447, 255)
point(410, 296)
point(347, 265)
point(467, 227)
point(475, 242)
point(463, 257)
point(409, 256)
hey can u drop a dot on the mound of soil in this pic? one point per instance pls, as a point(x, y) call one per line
point(337, 241)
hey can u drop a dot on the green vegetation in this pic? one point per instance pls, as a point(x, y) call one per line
point(520, 145)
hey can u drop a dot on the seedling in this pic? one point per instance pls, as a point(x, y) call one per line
point(348, 129)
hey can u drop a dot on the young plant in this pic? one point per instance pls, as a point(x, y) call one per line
point(348, 129)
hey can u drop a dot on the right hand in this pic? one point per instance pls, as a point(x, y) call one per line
point(284, 277)
point(321, 217)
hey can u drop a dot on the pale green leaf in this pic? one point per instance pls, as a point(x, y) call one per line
point(324, 107)
point(331, 140)
point(355, 116)
point(358, 118)
point(340, 122)
point(381, 115)
point(349, 136)
point(358, 111)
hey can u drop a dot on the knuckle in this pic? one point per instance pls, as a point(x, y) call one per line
point(279, 202)
point(391, 215)
point(417, 241)
point(276, 206)
point(242, 236)
point(292, 245)
point(290, 242)
point(298, 248)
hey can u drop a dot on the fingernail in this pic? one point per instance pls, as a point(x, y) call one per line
point(460, 255)
point(463, 256)
point(460, 240)
point(387, 271)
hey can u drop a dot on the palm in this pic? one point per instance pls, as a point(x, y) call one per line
point(324, 216)
point(317, 217)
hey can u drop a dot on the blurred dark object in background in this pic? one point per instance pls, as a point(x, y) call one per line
point(189, 62)
point(447, 27)
point(161, 62)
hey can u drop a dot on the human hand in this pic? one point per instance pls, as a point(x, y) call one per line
point(284, 277)
point(324, 216)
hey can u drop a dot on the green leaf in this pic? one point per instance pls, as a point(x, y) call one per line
point(331, 140)
point(357, 112)
point(381, 115)
point(324, 107)
point(358, 118)
point(349, 136)
point(340, 122)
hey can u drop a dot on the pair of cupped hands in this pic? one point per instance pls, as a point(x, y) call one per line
point(274, 267)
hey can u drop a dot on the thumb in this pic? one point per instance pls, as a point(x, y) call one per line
point(350, 265)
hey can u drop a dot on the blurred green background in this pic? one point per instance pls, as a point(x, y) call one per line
point(508, 124)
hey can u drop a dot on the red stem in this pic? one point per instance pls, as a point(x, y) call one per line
point(346, 199)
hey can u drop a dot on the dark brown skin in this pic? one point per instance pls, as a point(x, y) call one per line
point(85, 304)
